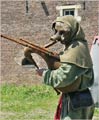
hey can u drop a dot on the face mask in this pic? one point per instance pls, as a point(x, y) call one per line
point(61, 34)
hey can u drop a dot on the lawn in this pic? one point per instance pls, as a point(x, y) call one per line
point(29, 102)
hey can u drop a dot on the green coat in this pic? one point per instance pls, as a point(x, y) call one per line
point(65, 75)
point(68, 73)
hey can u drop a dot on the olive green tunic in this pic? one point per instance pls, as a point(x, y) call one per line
point(65, 75)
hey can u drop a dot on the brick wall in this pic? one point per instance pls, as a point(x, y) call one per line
point(36, 27)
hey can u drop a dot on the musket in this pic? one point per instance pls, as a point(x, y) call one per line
point(45, 46)
point(52, 59)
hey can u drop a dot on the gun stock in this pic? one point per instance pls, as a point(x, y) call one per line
point(51, 58)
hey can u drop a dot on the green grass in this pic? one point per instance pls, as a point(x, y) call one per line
point(29, 102)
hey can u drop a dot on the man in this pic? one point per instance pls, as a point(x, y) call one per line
point(75, 74)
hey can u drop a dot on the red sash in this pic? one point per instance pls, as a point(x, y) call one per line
point(58, 110)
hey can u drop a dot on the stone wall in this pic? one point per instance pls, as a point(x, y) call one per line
point(35, 26)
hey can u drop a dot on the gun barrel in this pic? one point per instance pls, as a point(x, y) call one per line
point(31, 45)
point(11, 39)
point(42, 49)
point(45, 46)
point(25, 43)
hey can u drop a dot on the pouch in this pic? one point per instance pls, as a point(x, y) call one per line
point(81, 99)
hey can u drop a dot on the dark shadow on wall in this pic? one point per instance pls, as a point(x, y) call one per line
point(45, 8)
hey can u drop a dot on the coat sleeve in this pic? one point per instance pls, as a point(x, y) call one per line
point(65, 75)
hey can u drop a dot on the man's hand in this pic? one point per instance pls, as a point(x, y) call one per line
point(40, 71)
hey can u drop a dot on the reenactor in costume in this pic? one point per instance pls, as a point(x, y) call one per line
point(75, 74)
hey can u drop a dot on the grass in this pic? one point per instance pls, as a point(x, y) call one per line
point(28, 102)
